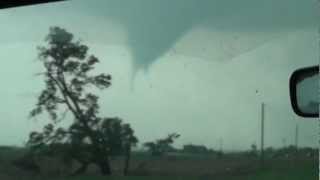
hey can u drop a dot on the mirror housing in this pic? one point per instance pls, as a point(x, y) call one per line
point(304, 91)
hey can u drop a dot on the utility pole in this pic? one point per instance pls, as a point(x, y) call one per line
point(221, 144)
point(296, 143)
point(262, 134)
point(297, 136)
point(220, 154)
point(284, 142)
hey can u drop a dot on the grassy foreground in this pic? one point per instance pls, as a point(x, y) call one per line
point(183, 168)
point(302, 173)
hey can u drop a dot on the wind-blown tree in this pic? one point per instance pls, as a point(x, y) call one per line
point(68, 80)
point(161, 146)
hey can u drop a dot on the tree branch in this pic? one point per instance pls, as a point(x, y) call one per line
point(64, 96)
point(78, 110)
point(70, 95)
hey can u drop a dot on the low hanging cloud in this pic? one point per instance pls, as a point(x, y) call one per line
point(217, 30)
point(214, 30)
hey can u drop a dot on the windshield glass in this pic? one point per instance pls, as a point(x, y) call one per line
point(196, 89)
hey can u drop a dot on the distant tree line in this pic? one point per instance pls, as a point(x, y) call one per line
point(161, 146)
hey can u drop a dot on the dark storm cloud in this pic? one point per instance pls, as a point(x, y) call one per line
point(155, 26)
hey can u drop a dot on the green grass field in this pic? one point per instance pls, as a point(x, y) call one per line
point(186, 168)
point(266, 175)
point(302, 173)
point(305, 171)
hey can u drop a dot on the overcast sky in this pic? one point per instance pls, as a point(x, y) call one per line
point(198, 68)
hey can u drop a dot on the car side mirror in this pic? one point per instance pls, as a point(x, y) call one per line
point(304, 91)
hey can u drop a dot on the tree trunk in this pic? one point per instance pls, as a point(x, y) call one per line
point(104, 167)
point(81, 170)
point(127, 160)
